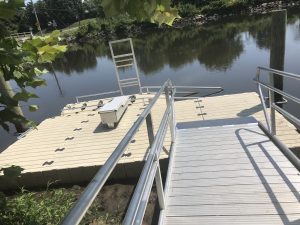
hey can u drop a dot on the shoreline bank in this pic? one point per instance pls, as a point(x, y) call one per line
point(88, 32)
point(260, 9)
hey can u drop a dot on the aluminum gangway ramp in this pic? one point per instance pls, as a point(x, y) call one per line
point(229, 172)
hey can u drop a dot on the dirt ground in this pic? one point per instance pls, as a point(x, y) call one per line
point(111, 204)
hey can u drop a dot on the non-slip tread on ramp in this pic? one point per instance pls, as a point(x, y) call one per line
point(229, 172)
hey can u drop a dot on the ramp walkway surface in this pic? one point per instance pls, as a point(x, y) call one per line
point(228, 171)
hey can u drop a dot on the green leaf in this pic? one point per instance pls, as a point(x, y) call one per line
point(32, 44)
point(21, 62)
point(40, 72)
point(60, 48)
point(17, 74)
point(8, 115)
point(9, 54)
point(30, 123)
point(24, 96)
point(53, 37)
point(157, 11)
point(8, 8)
point(36, 83)
point(48, 53)
point(33, 108)
point(12, 171)
point(113, 7)
point(8, 101)
point(166, 17)
point(161, 8)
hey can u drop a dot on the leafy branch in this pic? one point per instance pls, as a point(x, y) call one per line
point(24, 63)
point(156, 11)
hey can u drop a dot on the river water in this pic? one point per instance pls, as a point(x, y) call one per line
point(224, 54)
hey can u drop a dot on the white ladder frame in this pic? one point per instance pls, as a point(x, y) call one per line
point(128, 82)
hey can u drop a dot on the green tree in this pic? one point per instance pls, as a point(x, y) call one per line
point(22, 63)
point(64, 12)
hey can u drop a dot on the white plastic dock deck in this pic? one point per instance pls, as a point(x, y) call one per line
point(229, 172)
point(70, 147)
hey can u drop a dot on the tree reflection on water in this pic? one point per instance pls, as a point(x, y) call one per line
point(216, 46)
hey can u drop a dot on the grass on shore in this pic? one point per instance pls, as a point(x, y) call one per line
point(49, 207)
point(82, 23)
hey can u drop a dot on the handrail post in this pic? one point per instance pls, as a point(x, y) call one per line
point(272, 113)
point(172, 118)
point(159, 186)
point(158, 180)
point(169, 100)
point(267, 117)
point(150, 129)
point(271, 101)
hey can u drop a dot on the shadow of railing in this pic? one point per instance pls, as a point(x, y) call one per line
point(264, 181)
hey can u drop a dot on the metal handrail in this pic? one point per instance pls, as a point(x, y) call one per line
point(86, 199)
point(285, 150)
point(181, 87)
point(186, 90)
point(291, 97)
point(151, 169)
point(279, 72)
point(94, 95)
point(147, 88)
point(270, 118)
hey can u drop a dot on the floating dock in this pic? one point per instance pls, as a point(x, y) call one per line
point(71, 147)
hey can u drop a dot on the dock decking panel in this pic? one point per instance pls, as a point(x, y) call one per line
point(69, 147)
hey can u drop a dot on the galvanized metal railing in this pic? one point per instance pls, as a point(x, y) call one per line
point(151, 168)
point(189, 91)
point(270, 118)
point(78, 98)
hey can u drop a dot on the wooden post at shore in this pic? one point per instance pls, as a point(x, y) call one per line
point(277, 52)
point(6, 90)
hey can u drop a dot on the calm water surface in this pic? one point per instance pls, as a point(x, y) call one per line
point(223, 54)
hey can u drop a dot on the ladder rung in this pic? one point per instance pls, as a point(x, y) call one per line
point(125, 65)
point(128, 79)
point(124, 55)
point(130, 84)
point(119, 41)
point(124, 60)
